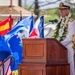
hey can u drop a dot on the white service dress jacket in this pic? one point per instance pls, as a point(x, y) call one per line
point(67, 42)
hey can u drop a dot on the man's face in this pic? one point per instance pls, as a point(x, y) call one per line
point(63, 12)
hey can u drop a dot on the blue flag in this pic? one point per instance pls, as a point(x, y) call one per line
point(4, 49)
point(32, 23)
point(41, 27)
point(15, 42)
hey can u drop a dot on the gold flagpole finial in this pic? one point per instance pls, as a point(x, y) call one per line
point(10, 11)
point(43, 13)
point(20, 13)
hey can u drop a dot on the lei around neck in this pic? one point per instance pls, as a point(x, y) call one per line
point(61, 29)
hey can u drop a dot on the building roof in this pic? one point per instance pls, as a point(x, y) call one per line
point(15, 10)
point(5, 12)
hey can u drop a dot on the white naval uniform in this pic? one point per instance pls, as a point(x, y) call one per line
point(67, 42)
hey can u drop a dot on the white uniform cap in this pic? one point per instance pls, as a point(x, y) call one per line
point(65, 4)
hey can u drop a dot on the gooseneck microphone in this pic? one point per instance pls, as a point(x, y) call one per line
point(53, 21)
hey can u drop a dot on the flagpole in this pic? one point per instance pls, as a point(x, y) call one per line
point(43, 13)
point(20, 13)
point(11, 21)
point(10, 11)
point(32, 12)
point(31, 27)
point(43, 24)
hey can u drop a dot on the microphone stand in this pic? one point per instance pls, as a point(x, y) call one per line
point(44, 27)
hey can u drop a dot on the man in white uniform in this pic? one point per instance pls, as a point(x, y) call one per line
point(64, 31)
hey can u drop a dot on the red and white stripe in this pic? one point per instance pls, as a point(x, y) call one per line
point(7, 69)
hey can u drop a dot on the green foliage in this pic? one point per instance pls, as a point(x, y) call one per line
point(50, 17)
point(28, 7)
point(73, 13)
point(51, 14)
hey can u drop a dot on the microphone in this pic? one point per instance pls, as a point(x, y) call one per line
point(53, 21)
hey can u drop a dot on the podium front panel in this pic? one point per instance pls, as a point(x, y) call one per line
point(34, 50)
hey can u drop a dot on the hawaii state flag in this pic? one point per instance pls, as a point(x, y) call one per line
point(5, 26)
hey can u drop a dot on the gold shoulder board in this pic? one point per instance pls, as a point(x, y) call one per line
point(71, 19)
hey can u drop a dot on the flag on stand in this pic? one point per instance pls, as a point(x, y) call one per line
point(5, 26)
point(15, 43)
point(38, 30)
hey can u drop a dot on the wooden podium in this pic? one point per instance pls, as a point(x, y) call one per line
point(44, 57)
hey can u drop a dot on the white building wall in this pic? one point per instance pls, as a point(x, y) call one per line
point(7, 2)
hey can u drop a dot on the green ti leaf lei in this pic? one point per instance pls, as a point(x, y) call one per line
point(63, 29)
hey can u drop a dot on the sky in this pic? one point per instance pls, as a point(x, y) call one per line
point(42, 2)
point(31, 1)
